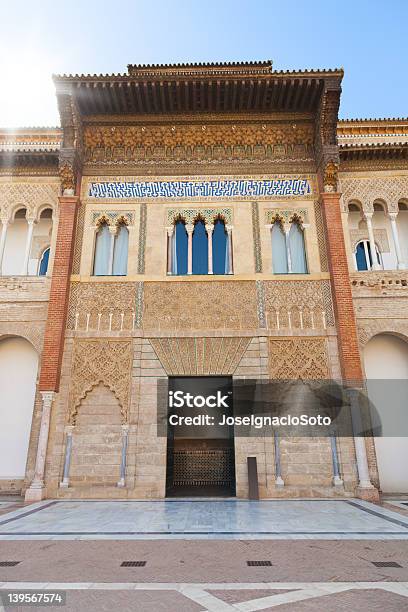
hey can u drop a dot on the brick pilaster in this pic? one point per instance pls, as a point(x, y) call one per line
point(340, 281)
point(59, 295)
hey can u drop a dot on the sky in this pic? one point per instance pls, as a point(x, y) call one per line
point(368, 38)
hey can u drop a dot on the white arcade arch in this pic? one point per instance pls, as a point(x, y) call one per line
point(386, 358)
point(18, 374)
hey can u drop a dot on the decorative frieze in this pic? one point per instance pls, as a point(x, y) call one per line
point(196, 144)
point(202, 189)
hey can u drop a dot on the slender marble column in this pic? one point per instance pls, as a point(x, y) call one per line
point(170, 232)
point(68, 450)
point(337, 481)
point(278, 474)
point(393, 220)
point(210, 228)
point(190, 230)
point(375, 265)
point(3, 237)
point(229, 232)
point(27, 252)
point(286, 229)
point(359, 443)
point(36, 490)
point(112, 230)
point(125, 436)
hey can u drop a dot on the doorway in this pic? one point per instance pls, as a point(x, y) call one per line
point(200, 457)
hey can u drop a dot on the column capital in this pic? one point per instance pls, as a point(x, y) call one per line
point(189, 228)
point(47, 397)
point(392, 216)
point(113, 229)
point(209, 228)
point(367, 215)
point(170, 230)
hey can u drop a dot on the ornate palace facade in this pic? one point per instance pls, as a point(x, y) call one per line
point(195, 221)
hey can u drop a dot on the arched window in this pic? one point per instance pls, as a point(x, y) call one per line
point(43, 267)
point(102, 251)
point(220, 248)
point(120, 251)
point(200, 248)
point(363, 256)
point(297, 249)
point(279, 251)
point(180, 248)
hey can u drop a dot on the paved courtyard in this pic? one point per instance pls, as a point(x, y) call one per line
point(225, 519)
point(218, 556)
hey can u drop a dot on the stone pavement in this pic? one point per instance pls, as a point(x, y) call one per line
point(309, 569)
point(226, 519)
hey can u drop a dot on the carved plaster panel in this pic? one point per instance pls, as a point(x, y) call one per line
point(101, 361)
point(294, 358)
point(299, 295)
point(32, 196)
point(200, 356)
point(200, 305)
point(199, 143)
point(391, 189)
point(104, 299)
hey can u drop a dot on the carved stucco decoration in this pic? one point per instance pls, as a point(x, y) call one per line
point(367, 190)
point(102, 298)
point(68, 177)
point(200, 356)
point(296, 295)
point(113, 217)
point(286, 215)
point(298, 358)
point(101, 361)
point(330, 177)
point(189, 215)
point(380, 237)
point(199, 143)
point(34, 333)
point(32, 196)
point(200, 305)
point(368, 329)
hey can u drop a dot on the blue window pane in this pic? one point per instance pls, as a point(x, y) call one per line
point(219, 244)
point(44, 263)
point(200, 249)
point(181, 247)
point(360, 257)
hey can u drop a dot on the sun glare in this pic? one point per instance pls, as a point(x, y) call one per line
point(28, 97)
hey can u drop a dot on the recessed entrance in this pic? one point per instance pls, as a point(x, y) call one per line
point(200, 458)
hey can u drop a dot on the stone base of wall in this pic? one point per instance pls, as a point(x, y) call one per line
point(11, 486)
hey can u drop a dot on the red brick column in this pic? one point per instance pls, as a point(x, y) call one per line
point(54, 335)
point(341, 289)
point(350, 360)
point(59, 293)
